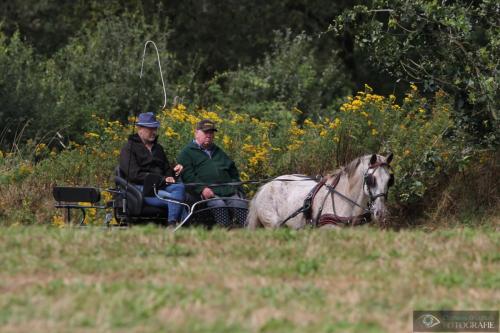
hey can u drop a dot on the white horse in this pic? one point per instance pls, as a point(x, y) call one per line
point(350, 196)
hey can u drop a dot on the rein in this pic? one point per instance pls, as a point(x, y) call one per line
point(252, 181)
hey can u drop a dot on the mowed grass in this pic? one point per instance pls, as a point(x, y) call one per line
point(146, 279)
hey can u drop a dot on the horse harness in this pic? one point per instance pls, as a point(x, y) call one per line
point(323, 219)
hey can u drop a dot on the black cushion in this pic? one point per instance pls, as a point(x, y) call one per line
point(76, 194)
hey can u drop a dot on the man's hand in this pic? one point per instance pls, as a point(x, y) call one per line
point(178, 169)
point(207, 193)
point(169, 180)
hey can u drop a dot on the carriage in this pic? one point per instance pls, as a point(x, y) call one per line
point(127, 206)
point(353, 195)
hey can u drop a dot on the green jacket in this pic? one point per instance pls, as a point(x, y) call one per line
point(200, 168)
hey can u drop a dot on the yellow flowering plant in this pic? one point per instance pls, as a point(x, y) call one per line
point(365, 123)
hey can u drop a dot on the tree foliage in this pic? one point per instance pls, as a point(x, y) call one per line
point(290, 76)
point(96, 72)
point(61, 62)
point(450, 45)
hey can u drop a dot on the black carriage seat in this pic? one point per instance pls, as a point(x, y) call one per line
point(133, 199)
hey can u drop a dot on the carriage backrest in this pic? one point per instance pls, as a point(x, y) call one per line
point(76, 194)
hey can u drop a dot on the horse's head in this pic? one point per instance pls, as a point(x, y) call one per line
point(377, 180)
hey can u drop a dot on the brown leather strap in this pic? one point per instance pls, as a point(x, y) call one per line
point(343, 220)
point(378, 164)
point(308, 213)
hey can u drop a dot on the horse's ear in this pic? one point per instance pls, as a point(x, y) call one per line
point(373, 159)
point(389, 157)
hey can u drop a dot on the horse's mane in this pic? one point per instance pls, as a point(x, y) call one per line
point(350, 168)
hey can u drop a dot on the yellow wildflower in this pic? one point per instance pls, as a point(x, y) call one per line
point(58, 221)
point(210, 115)
point(356, 104)
point(336, 123)
point(40, 148)
point(295, 145)
point(374, 98)
point(170, 133)
point(294, 130)
point(106, 196)
point(308, 122)
point(89, 135)
point(237, 118)
point(226, 140)
point(374, 131)
point(181, 107)
point(25, 169)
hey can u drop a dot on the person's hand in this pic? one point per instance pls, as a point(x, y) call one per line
point(178, 169)
point(170, 180)
point(207, 193)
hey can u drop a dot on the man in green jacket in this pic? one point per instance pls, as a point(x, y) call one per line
point(204, 162)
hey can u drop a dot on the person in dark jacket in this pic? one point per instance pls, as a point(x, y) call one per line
point(143, 155)
point(204, 162)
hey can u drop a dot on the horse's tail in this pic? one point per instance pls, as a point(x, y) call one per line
point(253, 221)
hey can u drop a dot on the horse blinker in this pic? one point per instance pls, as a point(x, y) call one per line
point(370, 180)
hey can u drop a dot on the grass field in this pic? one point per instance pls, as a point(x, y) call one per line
point(150, 280)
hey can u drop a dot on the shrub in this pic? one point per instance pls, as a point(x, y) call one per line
point(415, 131)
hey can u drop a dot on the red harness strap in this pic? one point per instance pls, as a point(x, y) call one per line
point(308, 213)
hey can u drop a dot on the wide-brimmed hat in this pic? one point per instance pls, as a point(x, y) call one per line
point(147, 119)
point(206, 125)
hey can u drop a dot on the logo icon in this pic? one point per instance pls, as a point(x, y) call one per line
point(429, 320)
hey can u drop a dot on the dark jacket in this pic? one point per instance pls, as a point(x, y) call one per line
point(200, 168)
point(142, 161)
